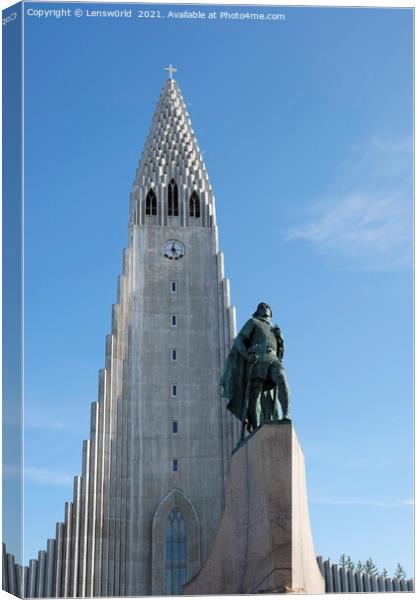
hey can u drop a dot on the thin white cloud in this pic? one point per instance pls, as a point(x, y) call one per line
point(369, 220)
point(45, 477)
point(36, 422)
point(52, 422)
point(48, 477)
point(363, 502)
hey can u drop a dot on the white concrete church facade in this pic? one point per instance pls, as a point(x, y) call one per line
point(149, 502)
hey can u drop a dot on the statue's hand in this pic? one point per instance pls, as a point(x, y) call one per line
point(252, 358)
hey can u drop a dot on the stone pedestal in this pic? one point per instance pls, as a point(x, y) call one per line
point(264, 544)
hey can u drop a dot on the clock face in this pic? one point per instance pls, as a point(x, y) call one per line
point(173, 249)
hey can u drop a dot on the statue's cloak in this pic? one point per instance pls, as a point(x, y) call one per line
point(234, 382)
point(254, 336)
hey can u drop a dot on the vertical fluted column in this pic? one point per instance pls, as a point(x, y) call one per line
point(106, 465)
point(84, 516)
point(11, 574)
point(75, 538)
point(20, 581)
point(58, 560)
point(112, 457)
point(49, 568)
point(68, 521)
point(91, 520)
point(25, 581)
point(98, 522)
point(5, 580)
point(40, 578)
point(33, 570)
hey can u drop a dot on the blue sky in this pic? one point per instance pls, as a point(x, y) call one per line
point(305, 126)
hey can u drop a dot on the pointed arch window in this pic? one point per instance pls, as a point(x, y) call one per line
point(151, 203)
point(175, 552)
point(173, 210)
point(194, 205)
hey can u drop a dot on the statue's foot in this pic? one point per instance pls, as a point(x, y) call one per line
point(286, 418)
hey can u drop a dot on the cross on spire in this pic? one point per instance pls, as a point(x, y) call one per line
point(171, 70)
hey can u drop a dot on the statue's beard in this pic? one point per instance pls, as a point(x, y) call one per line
point(265, 318)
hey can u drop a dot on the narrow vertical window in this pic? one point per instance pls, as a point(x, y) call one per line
point(174, 426)
point(194, 205)
point(173, 287)
point(175, 551)
point(175, 464)
point(173, 320)
point(173, 354)
point(174, 390)
point(173, 199)
point(151, 203)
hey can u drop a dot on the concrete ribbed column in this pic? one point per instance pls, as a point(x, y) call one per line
point(344, 580)
point(5, 580)
point(106, 473)
point(68, 521)
point(381, 584)
point(117, 474)
point(352, 580)
point(336, 578)
point(84, 516)
point(19, 581)
point(49, 568)
point(329, 585)
point(366, 582)
point(410, 585)
point(123, 504)
point(75, 537)
point(91, 519)
point(40, 578)
point(33, 571)
point(226, 436)
point(97, 557)
point(106, 466)
point(123, 409)
point(58, 560)
point(11, 574)
point(117, 466)
point(396, 585)
point(25, 579)
point(112, 456)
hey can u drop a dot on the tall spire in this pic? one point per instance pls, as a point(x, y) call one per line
point(171, 151)
point(171, 148)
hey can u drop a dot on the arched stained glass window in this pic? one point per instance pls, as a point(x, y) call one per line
point(194, 205)
point(172, 199)
point(151, 203)
point(175, 553)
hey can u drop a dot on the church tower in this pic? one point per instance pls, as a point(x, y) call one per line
point(149, 502)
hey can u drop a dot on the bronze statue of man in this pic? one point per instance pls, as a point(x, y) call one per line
point(254, 380)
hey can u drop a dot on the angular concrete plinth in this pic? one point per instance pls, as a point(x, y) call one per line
point(264, 543)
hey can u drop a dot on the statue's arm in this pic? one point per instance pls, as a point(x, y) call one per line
point(280, 342)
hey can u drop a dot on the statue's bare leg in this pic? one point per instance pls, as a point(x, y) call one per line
point(278, 375)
